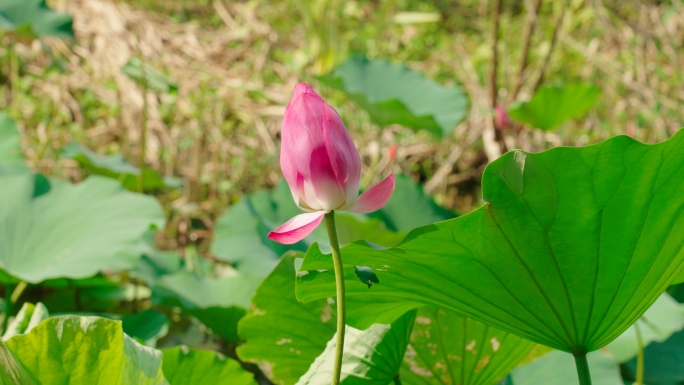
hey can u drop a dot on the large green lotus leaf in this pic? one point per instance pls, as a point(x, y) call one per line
point(219, 303)
point(85, 351)
point(448, 349)
point(283, 335)
point(241, 232)
point(116, 167)
point(11, 371)
point(72, 231)
point(558, 368)
point(155, 79)
point(184, 366)
point(371, 356)
point(660, 321)
point(410, 207)
point(29, 317)
point(551, 106)
point(15, 14)
point(11, 158)
point(570, 249)
point(393, 93)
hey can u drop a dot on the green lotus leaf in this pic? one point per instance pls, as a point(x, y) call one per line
point(184, 366)
point(85, 351)
point(29, 316)
point(116, 167)
point(11, 371)
point(155, 79)
point(558, 368)
point(105, 224)
point(36, 15)
point(448, 349)
point(570, 249)
point(371, 356)
point(551, 106)
point(393, 93)
point(284, 336)
point(219, 303)
point(11, 158)
point(148, 326)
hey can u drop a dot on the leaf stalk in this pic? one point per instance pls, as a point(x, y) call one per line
point(582, 369)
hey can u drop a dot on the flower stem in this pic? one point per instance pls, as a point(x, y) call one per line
point(640, 356)
point(339, 283)
point(582, 369)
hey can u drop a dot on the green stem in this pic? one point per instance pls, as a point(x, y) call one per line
point(397, 380)
point(18, 290)
point(582, 369)
point(339, 284)
point(640, 356)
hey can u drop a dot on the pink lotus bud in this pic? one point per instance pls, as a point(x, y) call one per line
point(321, 166)
point(392, 152)
point(501, 119)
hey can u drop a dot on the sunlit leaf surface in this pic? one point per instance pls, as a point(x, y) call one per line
point(448, 349)
point(571, 247)
point(371, 356)
point(85, 351)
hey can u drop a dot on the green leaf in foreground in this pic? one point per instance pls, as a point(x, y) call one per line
point(184, 366)
point(85, 351)
point(29, 316)
point(105, 224)
point(371, 356)
point(571, 248)
point(551, 106)
point(218, 303)
point(155, 79)
point(116, 167)
point(393, 93)
point(448, 349)
point(284, 336)
point(558, 368)
point(11, 158)
point(11, 372)
point(15, 14)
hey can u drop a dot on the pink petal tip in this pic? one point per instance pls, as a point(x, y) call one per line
point(296, 228)
point(375, 197)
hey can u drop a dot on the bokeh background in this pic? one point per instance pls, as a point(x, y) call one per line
point(235, 63)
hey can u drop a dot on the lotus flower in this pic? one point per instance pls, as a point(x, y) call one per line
point(321, 166)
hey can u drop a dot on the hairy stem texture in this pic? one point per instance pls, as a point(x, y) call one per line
point(339, 283)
